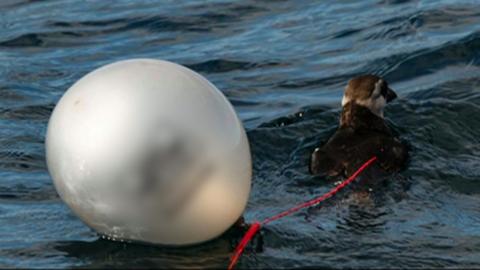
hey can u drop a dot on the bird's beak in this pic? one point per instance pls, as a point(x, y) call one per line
point(391, 95)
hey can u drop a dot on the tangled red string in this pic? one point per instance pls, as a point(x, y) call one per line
point(256, 226)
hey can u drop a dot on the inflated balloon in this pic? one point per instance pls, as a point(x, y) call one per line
point(150, 151)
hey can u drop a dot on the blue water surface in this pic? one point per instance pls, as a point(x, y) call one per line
point(283, 64)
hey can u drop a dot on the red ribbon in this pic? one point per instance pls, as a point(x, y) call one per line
point(256, 226)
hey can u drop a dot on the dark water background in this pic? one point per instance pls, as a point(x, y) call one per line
point(283, 65)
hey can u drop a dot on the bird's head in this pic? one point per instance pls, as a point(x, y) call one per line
point(369, 91)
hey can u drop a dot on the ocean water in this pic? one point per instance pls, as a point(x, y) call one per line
point(283, 65)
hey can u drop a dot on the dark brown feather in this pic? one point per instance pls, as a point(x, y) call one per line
point(360, 136)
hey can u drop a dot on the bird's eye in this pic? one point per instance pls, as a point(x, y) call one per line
point(384, 90)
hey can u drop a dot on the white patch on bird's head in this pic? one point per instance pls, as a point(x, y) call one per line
point(377, 91)
point(346, 96)
point(345, 100)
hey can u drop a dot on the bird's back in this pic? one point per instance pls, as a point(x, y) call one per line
point(360, 136)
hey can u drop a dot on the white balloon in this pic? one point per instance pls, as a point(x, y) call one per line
point(150, 151)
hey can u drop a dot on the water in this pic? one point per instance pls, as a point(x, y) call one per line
point(283, 65)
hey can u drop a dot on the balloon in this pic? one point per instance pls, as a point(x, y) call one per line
point(148, 150)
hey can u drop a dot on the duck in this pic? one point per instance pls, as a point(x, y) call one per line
point(362, 132)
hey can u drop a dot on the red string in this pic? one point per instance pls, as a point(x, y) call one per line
point(256, 226)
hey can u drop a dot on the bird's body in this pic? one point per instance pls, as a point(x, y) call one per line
point(362, 132)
